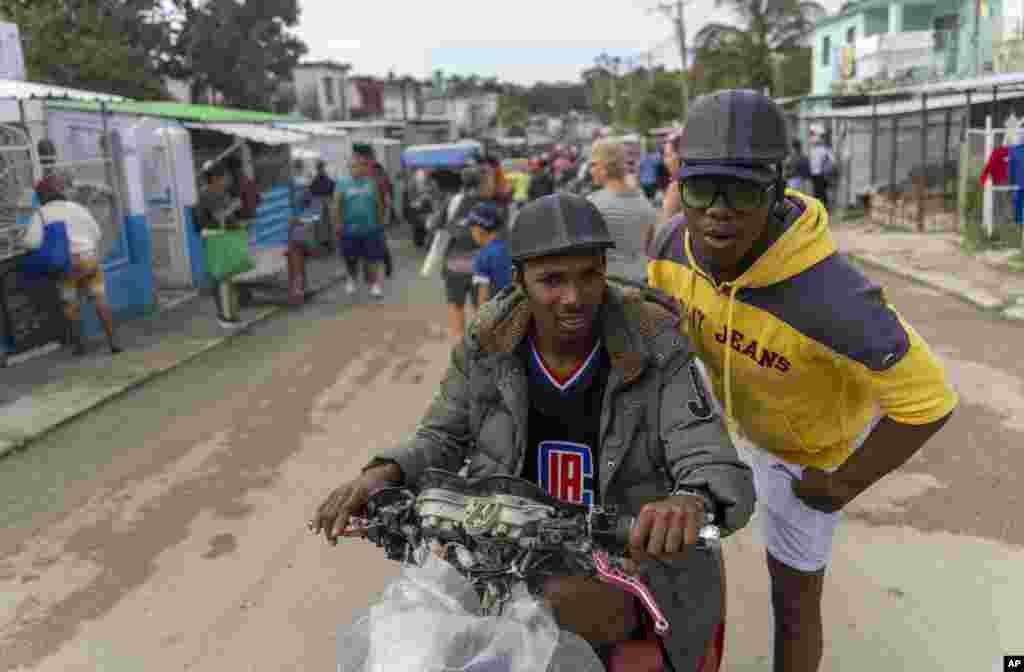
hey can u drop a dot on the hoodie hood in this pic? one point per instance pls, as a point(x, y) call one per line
point(806, 239)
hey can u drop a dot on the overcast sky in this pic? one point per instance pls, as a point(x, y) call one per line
point(523, 41)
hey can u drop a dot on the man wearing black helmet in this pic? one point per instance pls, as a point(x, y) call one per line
point(590, 391)
point(814, 366)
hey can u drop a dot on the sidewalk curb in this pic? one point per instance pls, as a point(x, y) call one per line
point(980, 300)
point(10, 444)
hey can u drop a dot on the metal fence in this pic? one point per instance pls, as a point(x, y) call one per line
point(913, 162)
point(15, 185)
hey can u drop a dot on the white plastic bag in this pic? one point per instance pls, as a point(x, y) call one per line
point(436, 254)
point(428, 620)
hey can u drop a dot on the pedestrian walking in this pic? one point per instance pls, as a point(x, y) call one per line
point(386, 190)
point(630, 217)
point(322, 190)
point(359, 215)
point(492, 268)
point(798, 169)
point(217, 212)
point(478, 186)
point(823, 167)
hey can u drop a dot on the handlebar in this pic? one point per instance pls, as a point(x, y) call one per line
point(503, 530)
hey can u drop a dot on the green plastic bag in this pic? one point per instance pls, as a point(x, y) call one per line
point(227, 253)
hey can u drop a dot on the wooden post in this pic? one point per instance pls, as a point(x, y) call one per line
point(945, 149)
point(874, 141)
point(988, 203)
point(995, 106)
point(892, 166)
point(922, 178)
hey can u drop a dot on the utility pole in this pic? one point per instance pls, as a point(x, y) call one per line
point(681, 33)
point(675, 11)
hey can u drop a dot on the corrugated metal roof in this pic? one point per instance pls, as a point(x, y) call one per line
point(10, 88)
point(267, 135)
point(907, 106)
point(321, 128)
point(173, 110)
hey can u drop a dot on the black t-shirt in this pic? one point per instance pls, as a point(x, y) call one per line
point(564, 427)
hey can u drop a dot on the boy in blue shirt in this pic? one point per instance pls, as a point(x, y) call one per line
point(492, 268)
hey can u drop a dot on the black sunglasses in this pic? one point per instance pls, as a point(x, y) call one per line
point(703, 191)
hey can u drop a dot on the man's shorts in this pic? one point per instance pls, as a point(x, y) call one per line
point(372, 248)
point(87, 282)
point(795, 534)
point(457, 285)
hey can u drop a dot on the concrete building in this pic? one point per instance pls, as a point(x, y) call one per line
point(322, 90)
point(878, 44)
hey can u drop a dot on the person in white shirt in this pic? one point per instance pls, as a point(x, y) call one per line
point(822, 163)
point(86, 275)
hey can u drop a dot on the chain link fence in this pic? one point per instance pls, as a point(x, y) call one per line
point(900, 168)
point(914, 161)
point(15, 186)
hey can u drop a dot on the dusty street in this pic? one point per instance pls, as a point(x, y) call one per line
point(165, 531)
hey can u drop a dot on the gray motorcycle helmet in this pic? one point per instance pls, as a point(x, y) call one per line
point(555, 225)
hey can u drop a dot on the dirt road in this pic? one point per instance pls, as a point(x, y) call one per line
point(165, 531)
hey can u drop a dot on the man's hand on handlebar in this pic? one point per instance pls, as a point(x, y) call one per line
point(666, 528)
point(332, 517)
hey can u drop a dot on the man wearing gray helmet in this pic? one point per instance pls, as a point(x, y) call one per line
point(813, 364)
point(590, 391)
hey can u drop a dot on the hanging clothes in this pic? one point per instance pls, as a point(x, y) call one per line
point(998, 166)
point(1016, 174)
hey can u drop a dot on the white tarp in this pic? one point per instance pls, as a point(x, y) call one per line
point(266, 135)
point(324, 129)
point(10, 88)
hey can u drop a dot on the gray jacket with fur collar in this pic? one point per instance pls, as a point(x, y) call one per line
point(658, 431)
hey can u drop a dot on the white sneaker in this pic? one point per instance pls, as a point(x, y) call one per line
point(350, 287)
point(376, 291)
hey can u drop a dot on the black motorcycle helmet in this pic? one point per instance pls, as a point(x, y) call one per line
point(557, 224)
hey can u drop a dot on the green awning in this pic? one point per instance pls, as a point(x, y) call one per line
point(174, 110)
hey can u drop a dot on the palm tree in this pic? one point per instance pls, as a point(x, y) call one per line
point(747, 51)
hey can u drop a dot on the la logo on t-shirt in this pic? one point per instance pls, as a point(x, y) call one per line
point(566, 471)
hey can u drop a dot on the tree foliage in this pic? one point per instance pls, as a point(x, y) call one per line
point(770, 37)
point(245, 51)
point(110, 46)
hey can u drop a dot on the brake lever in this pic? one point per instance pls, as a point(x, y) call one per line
point(358, 526)
point(608, 572)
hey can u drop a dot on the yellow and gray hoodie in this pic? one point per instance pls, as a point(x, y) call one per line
point(803, 349)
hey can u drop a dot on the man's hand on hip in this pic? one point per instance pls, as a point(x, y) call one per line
point(821, 491)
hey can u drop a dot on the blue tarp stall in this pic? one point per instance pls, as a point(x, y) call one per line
point(441, 156)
